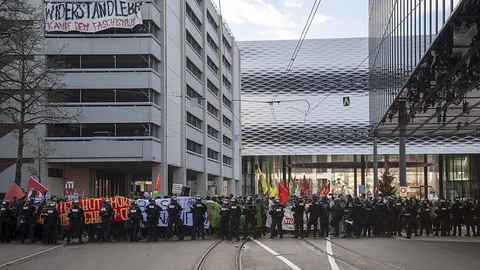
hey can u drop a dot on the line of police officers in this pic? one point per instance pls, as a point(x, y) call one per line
point(376, 216)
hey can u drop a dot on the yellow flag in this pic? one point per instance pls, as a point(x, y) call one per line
point(274, 191)
point(263, 181)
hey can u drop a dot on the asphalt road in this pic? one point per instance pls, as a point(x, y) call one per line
point(342, 254)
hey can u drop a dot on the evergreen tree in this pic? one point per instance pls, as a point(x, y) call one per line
point(386, 183)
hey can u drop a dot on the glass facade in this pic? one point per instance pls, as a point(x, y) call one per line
point(346, 173)
point(400, 32)
point(460, 176)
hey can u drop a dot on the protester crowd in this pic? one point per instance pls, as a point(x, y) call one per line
point(345, 216)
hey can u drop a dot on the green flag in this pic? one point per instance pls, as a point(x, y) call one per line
point(270, 178)
point(293, 186)
point(212, 210)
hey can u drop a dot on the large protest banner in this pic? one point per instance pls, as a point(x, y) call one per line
point(91, 16)
point(92, 209)
point(186, 215)
point(288, 222)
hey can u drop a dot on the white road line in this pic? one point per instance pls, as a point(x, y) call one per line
point(30, 256)
point(331, 260)
point(274, 253)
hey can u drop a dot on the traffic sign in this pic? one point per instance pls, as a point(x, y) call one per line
point(403, 191)
point(346, 101)
point(75, 196)
point(48, 196)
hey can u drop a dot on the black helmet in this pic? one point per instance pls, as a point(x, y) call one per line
point(225, 202)
point(276, 201)
point(6, 203)
point(249, 199)
point(314, 197)
point(52, 204)
point(106, 201)
point(233, 200)
point(133, 203)
point(198, 198)
point(76, 203)
point(324, 198)
point(174, 199)
point(300, 199)
point(151, 200)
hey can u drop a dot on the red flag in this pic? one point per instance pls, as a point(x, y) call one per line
point(83, 194)
point(13, 191)
point(377, 188)
point(327, 189)
point(36, 191)
point(283, 193)
point(321, 191)
point(158, 182)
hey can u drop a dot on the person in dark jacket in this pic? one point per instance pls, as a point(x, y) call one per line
point(76, 219)
point(6, 221)
point(277, 212)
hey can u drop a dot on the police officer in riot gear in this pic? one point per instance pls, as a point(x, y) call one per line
point(28, 221)
point(337, 214)
point(468, 216)
point(425, 213)
point(381, 215)
point(224, 214)
point(107, 215)
point(250, 210)
point(153, 214)
point(174, 210)
point(235, 214)
point(369, 221)
point(51, 218)
point(408, 214)
point(324, 217)
point(134, 215)
point(357, 215)
point(277, 213)
point(6, 220)
point(444, 215)
point(457, 216)
point(76, 219)
point(198, 210)
point(313, 213)
point(299, 210)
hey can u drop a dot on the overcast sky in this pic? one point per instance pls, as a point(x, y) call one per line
point(285, 19)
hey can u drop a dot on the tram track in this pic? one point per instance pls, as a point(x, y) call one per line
point(238, 255)
point(347, 262)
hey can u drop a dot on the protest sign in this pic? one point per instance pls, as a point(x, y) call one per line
point(91, 207)
point(92, 16)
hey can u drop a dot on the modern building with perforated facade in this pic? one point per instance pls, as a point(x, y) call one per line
point(316, 121)
point(156, 98)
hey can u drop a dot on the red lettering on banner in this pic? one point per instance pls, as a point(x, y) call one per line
point(81, 26)
point(91, 207)
point(104, 24)
point(288, 221)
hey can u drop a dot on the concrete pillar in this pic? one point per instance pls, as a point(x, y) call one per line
point(231, 187)
point(158, 168)
point(202, 184)
point(425, 176)
point(238, 187)
point(402, 123)
point(180, 175)
point(355, 183)
point(219, 183)
point(375, 163)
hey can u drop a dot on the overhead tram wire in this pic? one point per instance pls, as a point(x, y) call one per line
point(366, 58)
point(308, 23)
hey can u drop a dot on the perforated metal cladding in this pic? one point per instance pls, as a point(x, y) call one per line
point(321, 67)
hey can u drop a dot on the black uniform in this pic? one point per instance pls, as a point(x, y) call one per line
point(337, 214)
point(107, 215)
point(76, 219)
point(174, 210)
point(153, 214)
point(198, 210)
point(444, 215)
point(408, 214)
point(357, 215)
point(51, 217)
point(250, 221)
point(457, 217)
point(314, 210)
point(277, 213)
point(6, 220)
point(468, 217)
point(381, 215)
point(425, 213)
point(369, 221)
point(224, 214)
point(28, 222)
point(298, 210)
point(235, 214)
point(134, 217)
point(395, 226)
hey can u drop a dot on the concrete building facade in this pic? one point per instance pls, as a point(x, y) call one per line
point(155, 99)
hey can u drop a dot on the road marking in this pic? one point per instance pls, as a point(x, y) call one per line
point(274, 253)
point(30, 256)
point(331, 259)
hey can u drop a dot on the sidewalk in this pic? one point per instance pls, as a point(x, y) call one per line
point(16, 250)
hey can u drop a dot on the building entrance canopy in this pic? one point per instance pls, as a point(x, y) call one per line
point(441, 96)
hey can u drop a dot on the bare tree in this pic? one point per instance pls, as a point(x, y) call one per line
point(29, 82)
point(40, 149)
